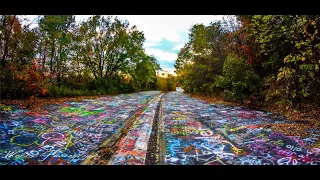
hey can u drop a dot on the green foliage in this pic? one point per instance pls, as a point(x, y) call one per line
point(280, 50)
point(238, 79)
point(60, 57)
point(145, 74)
point(171, 83)
point(202, 58)
point(127, 88)
point(289, 45)
point(166, 84)
point(105, 86)
point(108, 46)
point(63, 91)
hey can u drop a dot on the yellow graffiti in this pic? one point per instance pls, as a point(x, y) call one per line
point(69, 141)
point(279, 142)
point(14, 137)
point(237, 128)
point(218, 159)
point(262, 136)
point(189, 130)
point(236, 150)
point(180, 118)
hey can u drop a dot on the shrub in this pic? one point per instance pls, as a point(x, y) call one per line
point(238, 79)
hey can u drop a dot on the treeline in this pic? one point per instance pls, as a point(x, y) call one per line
point(62, 57)
point(166, 83)
point(261, 58)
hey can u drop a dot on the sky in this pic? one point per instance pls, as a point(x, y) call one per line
point(165, 34)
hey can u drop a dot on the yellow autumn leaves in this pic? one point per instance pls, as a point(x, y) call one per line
point(286, 59)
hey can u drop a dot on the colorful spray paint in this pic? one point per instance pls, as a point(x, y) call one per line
point(197, 132)
point(64, 133)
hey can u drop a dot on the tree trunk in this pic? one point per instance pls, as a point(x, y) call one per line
point(59, 66)
point(52, 54)
point(241, 98)
point(59, 79)
point(44, 60)
point(7, 39)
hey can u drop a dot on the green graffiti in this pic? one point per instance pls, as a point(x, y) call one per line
point(69, 109)
point(5, 108)
point(145, 110)
point(110, 121)
point(80, 111)
point(89, 113)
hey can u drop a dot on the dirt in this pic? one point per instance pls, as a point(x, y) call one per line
point(37, 104)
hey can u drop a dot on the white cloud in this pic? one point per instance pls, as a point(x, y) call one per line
point(80, 18)
point(170, 70)
point(162, 55)
point(29, 20)
point(179, 46)
point(149, 44)
point(156, 27)
point(174, 28)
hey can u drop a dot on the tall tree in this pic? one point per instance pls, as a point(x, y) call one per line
point(57, 32)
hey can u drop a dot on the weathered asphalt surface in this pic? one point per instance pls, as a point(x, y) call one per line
point(67, 133)
point(196, 132)
point(190, 132)
point(132, 150)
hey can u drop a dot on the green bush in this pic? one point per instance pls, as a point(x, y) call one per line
point(238, 79)
point(113, 85)
point(63, 91)
point(166, 84)
point(126, 88)
point(11, 90)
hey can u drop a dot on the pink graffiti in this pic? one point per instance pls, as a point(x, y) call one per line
point(193, 123)
point(51, 136)
point(307, 159)
point(77, 119)
point(246, 115)
point(41, 121)
point(286, 153)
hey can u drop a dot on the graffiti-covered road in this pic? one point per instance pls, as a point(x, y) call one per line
point(196, 132)
point(132, 150)
point(189, 131)
point(65, 133)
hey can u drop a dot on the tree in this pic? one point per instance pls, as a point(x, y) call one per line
point(110, 46)
point(57, 33)
point(145, 74)
point(203, 55)
point(238, 79)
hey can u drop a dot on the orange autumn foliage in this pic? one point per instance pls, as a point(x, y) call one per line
point(30, 78)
